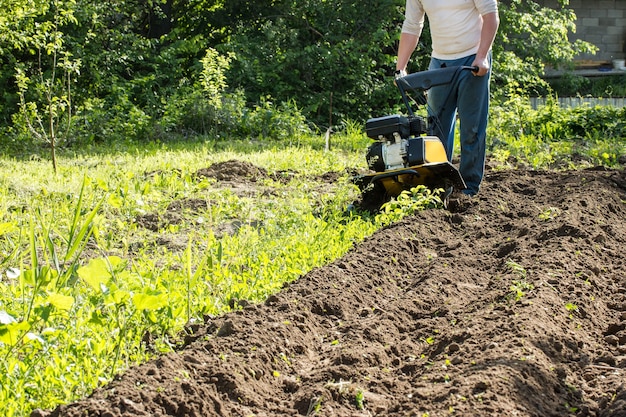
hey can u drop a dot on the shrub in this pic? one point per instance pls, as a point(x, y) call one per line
point(547, 136)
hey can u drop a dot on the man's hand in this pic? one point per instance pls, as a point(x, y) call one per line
point(399, 74)
point(482, 65)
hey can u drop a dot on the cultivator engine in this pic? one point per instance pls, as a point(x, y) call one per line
point(403, 155)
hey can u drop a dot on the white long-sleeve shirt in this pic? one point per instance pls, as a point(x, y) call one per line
point(455, 25)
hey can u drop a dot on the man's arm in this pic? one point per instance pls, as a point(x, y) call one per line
point(491, 22)
point(408, 43)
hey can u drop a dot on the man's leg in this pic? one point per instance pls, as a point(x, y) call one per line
point(442, 110)
point(473, 109)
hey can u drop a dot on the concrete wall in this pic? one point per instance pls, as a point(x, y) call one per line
point(600, 22)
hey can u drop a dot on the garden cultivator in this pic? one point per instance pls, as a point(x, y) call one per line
point(403, 154)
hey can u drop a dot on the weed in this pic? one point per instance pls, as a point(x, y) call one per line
point(571, 309)
point(548, 135)
point(359, 399)
point(571, 409)
point(347, 389)
point(82, 267)
point(516, 268)
point(315, 406)
point(549, 213)
point(407, 203)
point(429, 340)
point(520, 287)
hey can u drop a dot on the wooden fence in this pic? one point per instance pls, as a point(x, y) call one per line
point(567, 102)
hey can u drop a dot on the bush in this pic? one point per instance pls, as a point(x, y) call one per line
point(572, 85)
point(548, 136)
point(112, 120)
point(206, 108)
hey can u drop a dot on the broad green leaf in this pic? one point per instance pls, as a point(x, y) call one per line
point(116, 263)
point(98, 271)
point(120, 296)
point(38, 277)
point(149, 302)
point(60, 301)
point(97, 318)
point(43, 311)
point(7, 228)
point(102, 184)
point(10, 333)
point(115, 200)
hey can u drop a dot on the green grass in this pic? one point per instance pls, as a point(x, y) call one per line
point(83, 282)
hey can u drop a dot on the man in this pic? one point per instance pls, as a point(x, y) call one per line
point(462, 33)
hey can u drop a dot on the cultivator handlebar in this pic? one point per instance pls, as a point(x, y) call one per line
point(425, 80)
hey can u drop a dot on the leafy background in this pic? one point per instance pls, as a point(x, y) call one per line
point(83, 72)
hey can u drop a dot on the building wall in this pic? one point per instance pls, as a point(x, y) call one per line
point(600, 22)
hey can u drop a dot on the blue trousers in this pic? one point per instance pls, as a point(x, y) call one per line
point(467, 97)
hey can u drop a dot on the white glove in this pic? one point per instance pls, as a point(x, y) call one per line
point(399, 74)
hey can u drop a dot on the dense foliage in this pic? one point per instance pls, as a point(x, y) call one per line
point(87, 72)
point(531, 37)
point(554, 137)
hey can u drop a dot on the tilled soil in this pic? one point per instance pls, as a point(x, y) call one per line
point(509, 304)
